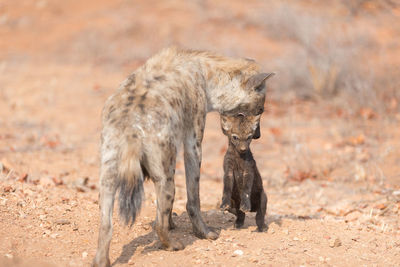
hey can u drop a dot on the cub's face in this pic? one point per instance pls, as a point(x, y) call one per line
point(241, 130)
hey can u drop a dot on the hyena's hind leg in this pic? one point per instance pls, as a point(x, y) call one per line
point(161, 168)
point(108, 178)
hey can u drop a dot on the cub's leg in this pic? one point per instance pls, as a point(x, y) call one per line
point(262, 209)
point(240, 216)
point(227, 193)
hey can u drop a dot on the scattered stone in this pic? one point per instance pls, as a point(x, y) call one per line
point(9, 256)
point(237, 252)
point(353, 216)
point(62, 222)
point(296, 238)
point(333, 243)
point(5, 166)
point(84, 255)
point(55, 235)
point(57, 181)
point(286, 231)
point(8, 189)
point(23, 177)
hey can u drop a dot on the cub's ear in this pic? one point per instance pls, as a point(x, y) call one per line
point(226, 124)
point(257, 132)
point(257, 82)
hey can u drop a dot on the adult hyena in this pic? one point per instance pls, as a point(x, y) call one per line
point(160, 106)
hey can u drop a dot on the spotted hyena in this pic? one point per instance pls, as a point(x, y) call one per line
point(157, 108)
point(243, 188)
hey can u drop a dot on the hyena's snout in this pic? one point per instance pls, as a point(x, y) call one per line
point(243, 147)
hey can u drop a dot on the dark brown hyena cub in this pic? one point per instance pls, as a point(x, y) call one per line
point(243, 188)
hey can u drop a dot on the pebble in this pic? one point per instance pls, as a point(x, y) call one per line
point(62, 222)
point(237, 252)
point(54, 235)
point(335, 243)
point(286, 231)
point(84, 255)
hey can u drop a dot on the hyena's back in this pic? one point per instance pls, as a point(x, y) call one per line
point(142, 130)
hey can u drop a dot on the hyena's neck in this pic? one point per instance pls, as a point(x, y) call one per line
point(224, 81)
point(220, 77)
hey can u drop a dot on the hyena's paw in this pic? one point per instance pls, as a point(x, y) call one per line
point(245, 204)
point(174, 246)
point(212, 235)
point(101, 263)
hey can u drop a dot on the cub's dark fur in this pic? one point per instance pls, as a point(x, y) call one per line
point(243, 188)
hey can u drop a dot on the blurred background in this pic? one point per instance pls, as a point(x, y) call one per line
point(319, 49)
point(330, 134)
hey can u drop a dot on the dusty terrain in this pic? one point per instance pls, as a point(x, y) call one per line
point(330, 166)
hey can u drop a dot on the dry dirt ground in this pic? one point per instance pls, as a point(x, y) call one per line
point(332, 176)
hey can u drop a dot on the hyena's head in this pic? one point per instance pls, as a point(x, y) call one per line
point(251, 97)
point(241, 130)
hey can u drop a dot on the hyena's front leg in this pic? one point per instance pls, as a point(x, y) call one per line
point(106, 202)
point(192, 155)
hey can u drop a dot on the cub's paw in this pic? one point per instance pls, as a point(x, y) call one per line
point(245, 205)
point(225, 206)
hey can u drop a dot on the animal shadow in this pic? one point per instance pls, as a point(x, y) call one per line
point(217, 220)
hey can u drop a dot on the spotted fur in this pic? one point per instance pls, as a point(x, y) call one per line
point(159, 107)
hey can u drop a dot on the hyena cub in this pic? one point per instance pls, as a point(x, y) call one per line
point(243, 188)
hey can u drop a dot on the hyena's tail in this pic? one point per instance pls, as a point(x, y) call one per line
point(131, 178)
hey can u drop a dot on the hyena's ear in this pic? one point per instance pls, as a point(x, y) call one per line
point(226, 124)
point(257, 82)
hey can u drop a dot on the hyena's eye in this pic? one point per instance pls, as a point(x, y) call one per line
point(261, 110)
point(249, 137)
point(235, 137)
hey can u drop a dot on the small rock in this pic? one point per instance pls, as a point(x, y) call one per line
point(335, 243)
point(84, 255)
point(272, 231)
point(8, 188)
point(62, 222)
point(23, 177)
point(57, 181)
point(55, 235)
point(286, 231)
point(353, 216)
point(9, 256)
point(237, 252)
point(296, 238)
